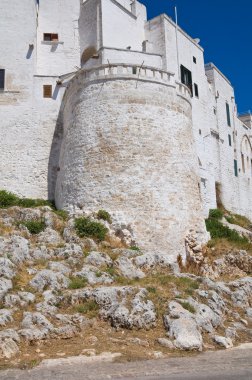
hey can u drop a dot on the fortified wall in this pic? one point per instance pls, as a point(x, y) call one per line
point(102, 108)
point(127, 131)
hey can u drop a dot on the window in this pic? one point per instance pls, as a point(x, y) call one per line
point(243, 163)
point(235, 168)
point(229, 140)
point(134, 70)
point(47, 91)
point(228, 115)
point(214, 110)
point(51, 37)
point(199, 131)
point(196, 90)
point(186, 77)
point(194, 60)
point(2, 77)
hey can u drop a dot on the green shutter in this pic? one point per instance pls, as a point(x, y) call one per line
point(228, 115)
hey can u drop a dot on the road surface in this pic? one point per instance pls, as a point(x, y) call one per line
point(234, 364)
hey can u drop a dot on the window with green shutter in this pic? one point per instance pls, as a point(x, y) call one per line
point(228, 115)
point(235, 168)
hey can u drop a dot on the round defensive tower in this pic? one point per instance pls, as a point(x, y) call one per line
point(128, 148)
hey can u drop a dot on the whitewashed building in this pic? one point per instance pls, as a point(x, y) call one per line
point(102, 108)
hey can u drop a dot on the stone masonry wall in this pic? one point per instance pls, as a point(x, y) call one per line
point(130, 151)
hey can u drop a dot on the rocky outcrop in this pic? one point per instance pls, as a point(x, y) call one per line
point(55, 285)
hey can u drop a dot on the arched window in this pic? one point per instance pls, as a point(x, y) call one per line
point(87, 54)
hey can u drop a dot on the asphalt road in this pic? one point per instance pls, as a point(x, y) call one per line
point(234, 364)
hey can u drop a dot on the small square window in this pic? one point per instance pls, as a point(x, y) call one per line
point(2, 79)
point(196, 90)
point(194, 60)
point(47, 91)
point(51, 37)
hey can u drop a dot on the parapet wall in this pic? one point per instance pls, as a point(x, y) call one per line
point(128, 148)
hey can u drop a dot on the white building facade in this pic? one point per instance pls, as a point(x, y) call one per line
point(102, 108)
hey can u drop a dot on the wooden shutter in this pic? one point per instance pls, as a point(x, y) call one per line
point(47, 91)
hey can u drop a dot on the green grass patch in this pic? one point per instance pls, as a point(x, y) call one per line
point(188, 306)
point(89, 308)
point(8, 199)
point(111, 271)
point(135, 248)
point(34, 226)
point(218, 230)
point(61, 213)
point(215, 213)
point(77, 283)
point(104, 215)
point(88, 228)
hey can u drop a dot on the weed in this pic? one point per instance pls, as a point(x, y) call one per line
point(34, 226)
point(135, 248)
point(61, 213)
point(88, 228)
point(111, 271)
point(98, 274)
point(77, 283)
point(218, 230)
point(8, 199)
point(89, 308)
point(188, 306)
point(104, 215)
point(215, 213)
point(150, 289)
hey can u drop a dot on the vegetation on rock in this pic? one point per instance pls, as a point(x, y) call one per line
point(85, 227)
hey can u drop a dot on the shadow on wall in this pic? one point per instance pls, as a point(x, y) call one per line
point(53, 165)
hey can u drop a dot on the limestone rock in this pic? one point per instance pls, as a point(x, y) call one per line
point(129, 253)
point(49, 236)
point(17, 249)
point(98, 259)
point(5, 286)
point(40, 253)
point(8, 348)
point(94, 276)
point(69, 250)
point(128, 269)
point(183, 328)
point(242, 292)
point(58, 266)
point(48, 278)
point(5, 317)
point(164, 342)
point(223, 341)
point(151, 260)
point(7, 268)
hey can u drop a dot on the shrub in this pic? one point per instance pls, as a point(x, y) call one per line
point(34, 226)
point(7, 199)
point(104, 215)
point(87, 228)
point(218, 230)
point(61, 213)
point(77, 283)
point(215, 213)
